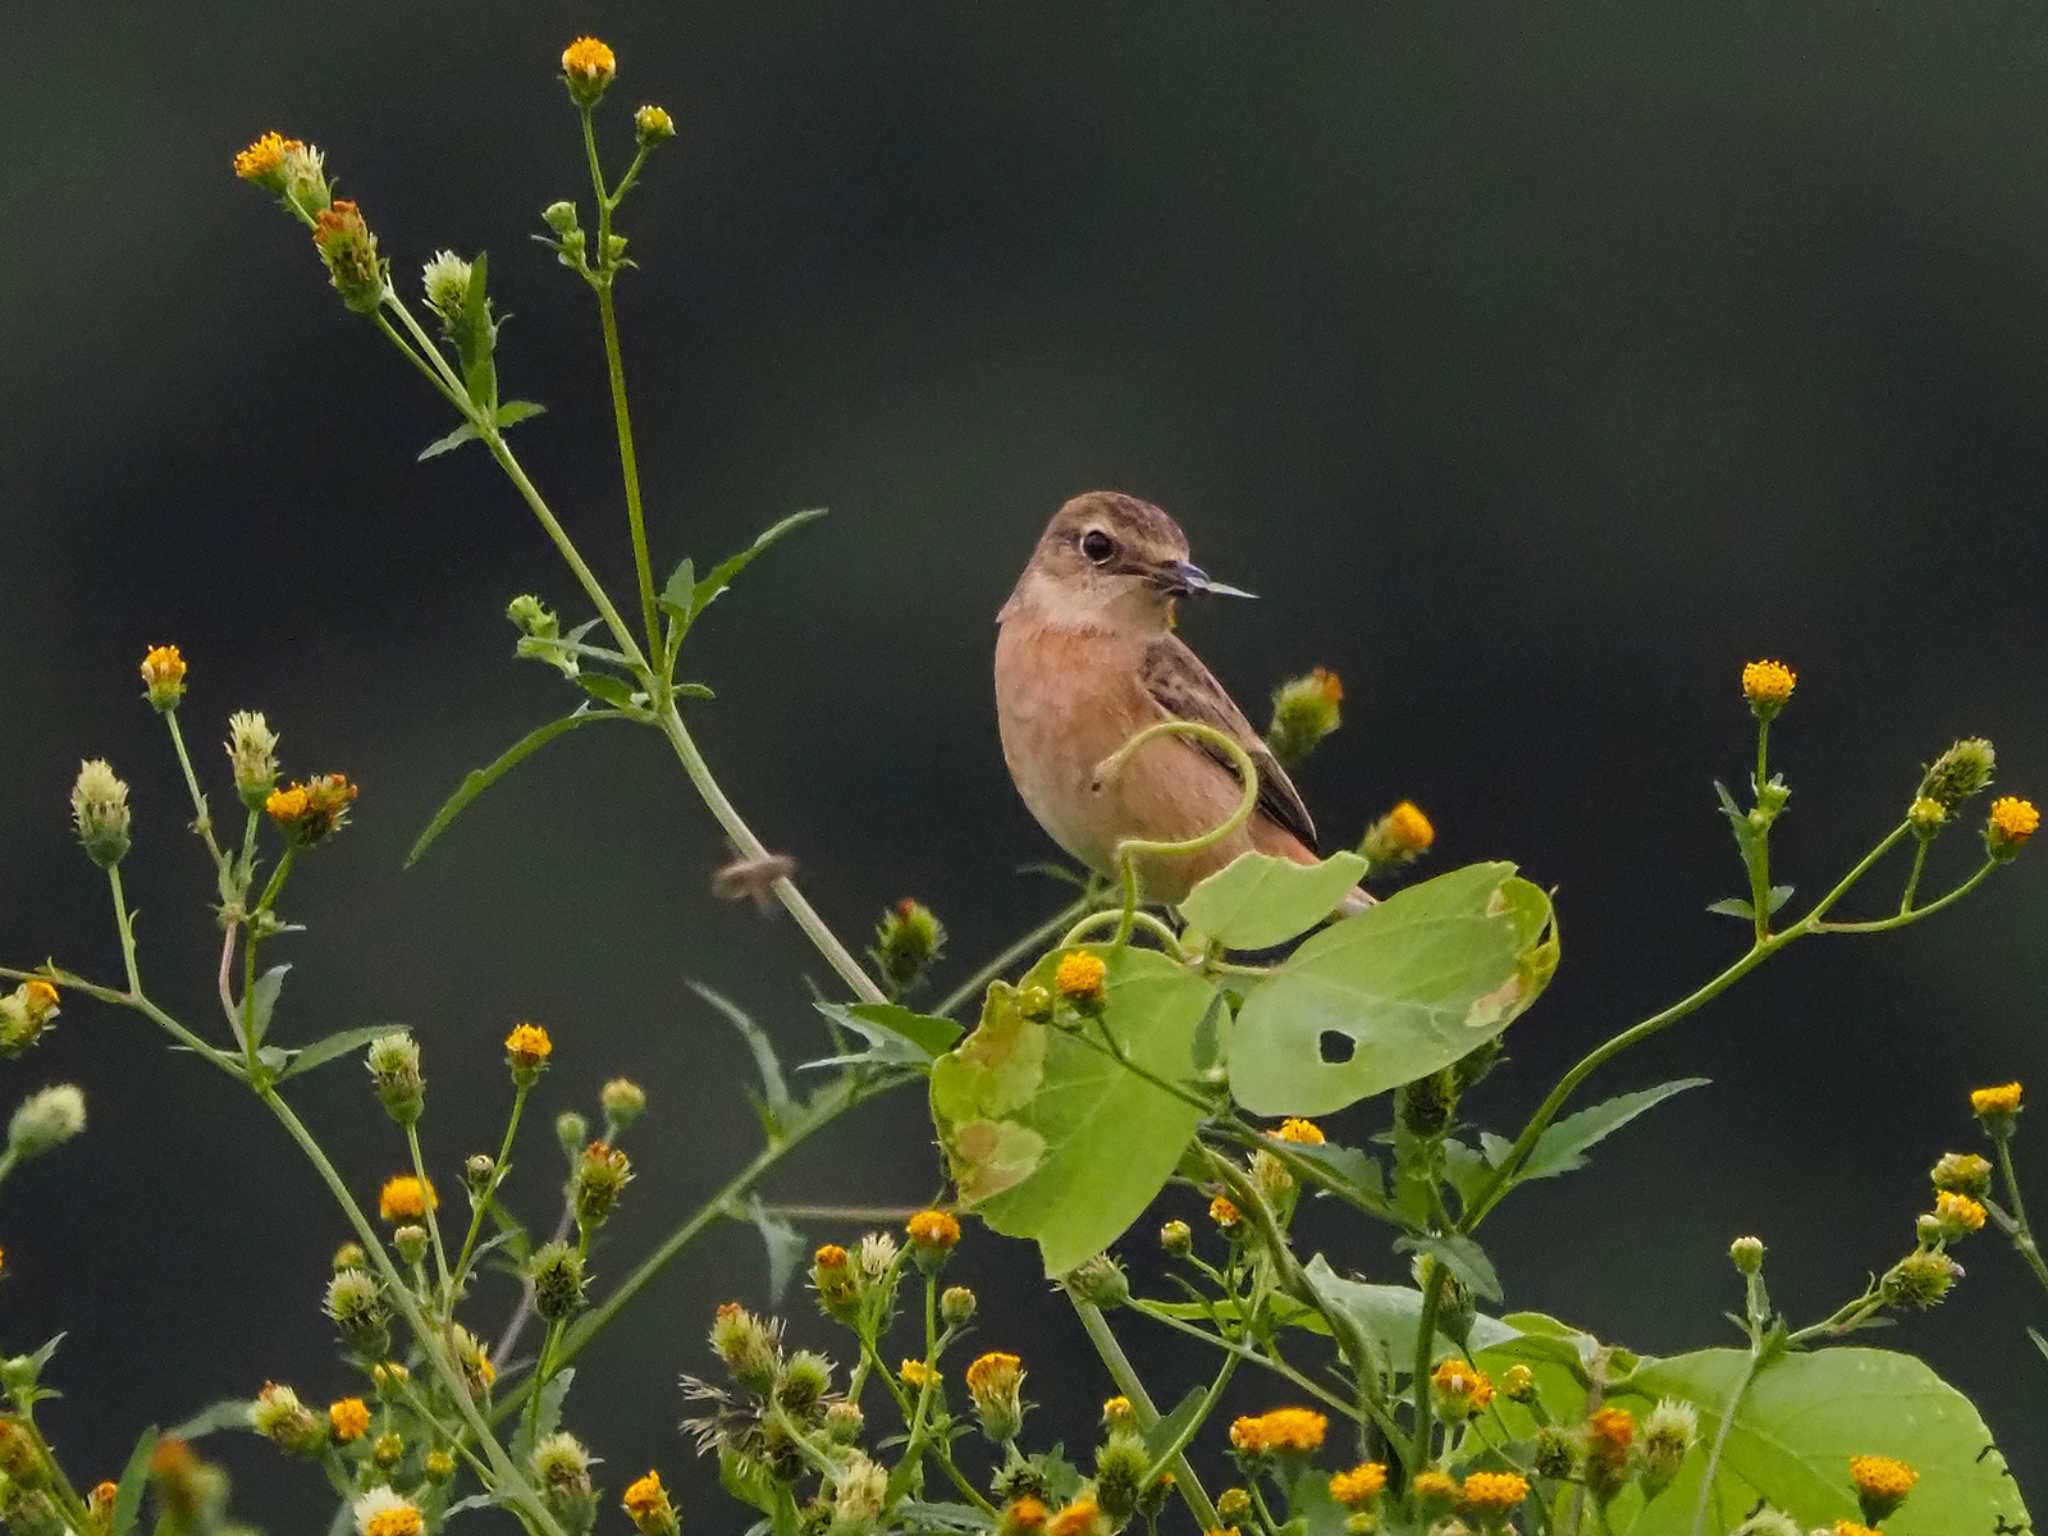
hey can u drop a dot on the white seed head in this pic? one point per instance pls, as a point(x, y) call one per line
point(46, 1120)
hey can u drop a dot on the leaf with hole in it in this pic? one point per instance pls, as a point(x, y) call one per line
point(1054, 1139)
point(722, 574)
point(1798, 1423)
point(477, 780)
point(1394, 992)
point(1257, 901)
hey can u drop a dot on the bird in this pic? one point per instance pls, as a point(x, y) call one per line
point(1086, 657)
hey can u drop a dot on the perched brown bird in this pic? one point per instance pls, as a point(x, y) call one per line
point(1087, 657)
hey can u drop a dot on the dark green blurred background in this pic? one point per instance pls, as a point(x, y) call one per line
point(1539, 365)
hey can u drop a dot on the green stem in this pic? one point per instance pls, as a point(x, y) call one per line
point(1127, 1382)
point(483, 1201)
point(202, 823)
point(1913, 876)
point(127, 931)
point(1131, 849)
point(751, 847)
point(453, 396)
point(1425, 1349)
point(1010, 955)
point(2023, 1233)
point(419, 1169)
point(1170, 1453)
point(1904, 919)
point(1125, 923)
point(1244, 1352)
point(1741, 1389)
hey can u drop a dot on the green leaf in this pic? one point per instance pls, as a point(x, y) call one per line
point(476, 339)
point(228, 1413)
point(320, 1052)
point(1465, 1168)
point(2039, 1342)
point(134, 1478)
point(1361, 1170)
point(917, 1515)
point(532, 1431)
point(774, 1102)
point(480, 779)
point(896, 1036)
point(263, 998)
point(440, 445)
point(1800, 1421)
point(1562, 1145)
point(512, 412)
point(1311, 1510)
point(1257, 901)
point(723, 573)
point(602, 685)
point(1392, 1314)
point(1732, 906)
point(679, 593)
point(1780, 894)
point(1462, 1257)
point(785, 1247)
point(1396, 991)
point(1168, 1429)
point(694, 691)
point(1055, 1140)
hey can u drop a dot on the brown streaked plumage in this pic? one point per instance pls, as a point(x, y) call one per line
point(1086, 657)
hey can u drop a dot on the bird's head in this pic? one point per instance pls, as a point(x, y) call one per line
point(1110, 561)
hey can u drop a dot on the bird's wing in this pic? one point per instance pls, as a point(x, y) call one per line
point(1187, 690)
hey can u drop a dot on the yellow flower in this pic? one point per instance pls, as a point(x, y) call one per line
point(2012, 822)
point(1851, 1528)
point(1080, 1518)
point(831, 1256)
point(588, 66)
point(916, 1373)
point(1882, 1484)
point(102, 1498)
point(1360, 1486)
point(405, 1198)
point(1434, 1487)
point(1080, 975)
point(935, 1231)
point(1494, 1493)
point(41, 995)
point(1767, 685)
point(2003, 1100)
point(1117, 1413)
point(1025, 1514)
point(263, 161)
point(1461, 1390)
point(994, 1372)
point(285, 806)
point(1224, 1212)
point(528, 1047)
point(1282, 1429)
point(402, 1521)
point(1411, 830)
point(1611, 1429)
point(163, 674)
point(1958, 1213)
point(350, 1419)
point(1305, 1132)
point(309, 812)
point(647, 1503)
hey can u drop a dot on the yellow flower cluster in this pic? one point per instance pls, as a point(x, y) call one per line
point(1302, 1132)
point(349, 1418)
point(1360, 1486)
point(2012, 822)
point(528, 1046)
point(1461, 1389)
point(1434, 1487)
point(938, 1230)
point(916, 1373)
point(1224, 1212)
point(405, 1198)
point(1410, 829)
point(2003, 1099)
point(1282, 1429)
point(1768, 684)
point(1080, 975)
point(1080, 1518)
point(263, 161)
point(647, 1504)
point(1493, 1493)
point(994, 1372)
point(1882, 1477)
point(1959, 1212)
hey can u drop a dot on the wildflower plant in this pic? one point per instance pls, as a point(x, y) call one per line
point(1202, 1073)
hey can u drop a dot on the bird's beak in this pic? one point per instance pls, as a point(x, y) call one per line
point(1185, 580)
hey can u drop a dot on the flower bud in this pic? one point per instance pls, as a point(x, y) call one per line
point(1960, 772)
point(1609, 1436)
point(393, 1062)
point(348, 1419)
point(527, 1050)
point(802, 1384)
point(388, 1450)
point(1120, 1468)
point(1518, 1384)
point(1035, 1003)
point(163, 678)
point(908, 940)
point(858, 1494)
point(1176, 1239)
point(1921, 1279)
point(252, 751)
point(1234, 1505)
point(445, 281)
point(1997, 1109)
point(1401, 836)
point(1080, 978)
point(1556, 1453)
point(410, 1243)
point(349, 1256)
point(1100, 1281)
point(624, 1101)
point(1927, 817)
point(1768, 685)
point(479, 1170)
point(594, 1187)
point(1305, 710)
point(556, 1270)
point(472, 1360)
point(24, 1014)
point(279, 1416)
point(99, 812)
point(355, 1303)
point(1964, 1173)
point(46, 1120)
point(933, 1237)
point(1427, 1104)
point(561, 1469)
point(572, 1133)
point(561, 217)
point(838, 1288)
point(995, 1382)
point(1271, 1177)
point(1956, 1216)
point(1669, 1432)
point(647, 1505)
point(844, 1423)
point(1882, 1483)
point(653, 125)
point(1747, 1255)
point(957, 1306)
point(349, 248)
point(2011, 823)
point(438, 1466)
point(588, 68)
point(749, 1347)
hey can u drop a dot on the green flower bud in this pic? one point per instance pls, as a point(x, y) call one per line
point(446, 281)
point(594, 1186)
point(749, 1347)
point(438, 1466)
point(1099, 1280)
point(844, 1423)
point(355, 1303)
point(1921, 1279)
point(561, 1468)
point(1176, 1239)
point(1962, 771)
point(46, 1120)
point(1962, 1173)
point(624, 1101)
point(349, 248)
point(252, 751)
point(653, 125)
point(1747, 1255)
point(279, 1416)
point(556, 1270)
point(25, 1013)
point(1669, 1431)
point(1427, 1104)
point(957, 1306)
point(389, 1450)
point(1305, 710)
point(393, 1062)
point(99, 812)
point(411, 1243)
point(803, 1383)
point(1120, 1467)
point(572, 1133)
point(1556, 1453)
point(908, 940)
point(478, 1170)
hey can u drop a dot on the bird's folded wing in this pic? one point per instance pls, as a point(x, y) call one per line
point(1187, 690)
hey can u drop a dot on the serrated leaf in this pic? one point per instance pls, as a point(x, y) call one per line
point(1461, 1256)
point(320, 1052)
point(785, 1247)
point(774, 1089)
point(512, 412)
point(602, 685)
point(1391, 1314)
point(262, 999)
point(896, 1036)
point(1361, 1170)
point(1405, 987)
point(1465, 1168)
point(134, 1478)
point(532, 1430)
point(1561, 1147)
point(1055, 1140)
point(723, 573)
point(440, 445)
point(1257, 901)
point(477, 780)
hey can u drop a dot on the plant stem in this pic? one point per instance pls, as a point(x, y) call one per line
point(127, 930)
point(202, 823)
point(483, 1201)
point(419, 1169)
point(1131, 849)
point(1185, 1483)
point(1011, 954)
point(1887, 924)
point(1913, 876)
point(1180, 1442)
point(2023, 1233)
point(1239, 1351)
point(815, 929)
point(1425, 1350)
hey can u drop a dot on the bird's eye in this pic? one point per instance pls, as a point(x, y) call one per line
point(1097, 546)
